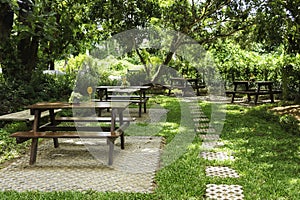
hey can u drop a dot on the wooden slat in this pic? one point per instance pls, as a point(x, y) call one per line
point(128, 100)
point(23, 115)
point(76, 134)
point(91, 119)
point(127, 97)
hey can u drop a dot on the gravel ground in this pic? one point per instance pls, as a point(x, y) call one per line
point(82, 165)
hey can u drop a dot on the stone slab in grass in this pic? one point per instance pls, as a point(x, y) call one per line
point(222, 191)
point(205, 130)
point(223, 172)
point(209, 145)
point(220, 156)
point(208, 137)
point(201, 119)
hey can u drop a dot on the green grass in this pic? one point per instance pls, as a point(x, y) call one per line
point(8, 147)
point(266, 149)
point(267, 156)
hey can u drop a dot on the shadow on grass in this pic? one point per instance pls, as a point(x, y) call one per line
point(267, 155)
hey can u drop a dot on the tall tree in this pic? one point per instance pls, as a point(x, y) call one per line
point(36, 32)
point(204, 21)
point(278, 23)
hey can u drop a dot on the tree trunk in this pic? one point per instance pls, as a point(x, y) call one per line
point(6, 23)
point(176, 42)
point(285, 75)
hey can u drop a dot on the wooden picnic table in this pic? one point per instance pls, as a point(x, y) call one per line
point(184, 83)
point(51, 130)
point(261, 88)
point(132, 94)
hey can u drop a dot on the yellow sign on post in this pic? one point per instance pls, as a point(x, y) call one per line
point(90, 91)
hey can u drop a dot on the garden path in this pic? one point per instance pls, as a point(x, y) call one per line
point(211, 140)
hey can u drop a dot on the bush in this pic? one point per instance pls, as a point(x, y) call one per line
point(290, 124)
point(15, 96)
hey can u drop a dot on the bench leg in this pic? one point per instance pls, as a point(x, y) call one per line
point(55, 141)
point(140, 109)
point(145, 107)
point(256, 99)
point(272, 97)
point(111, 144)
point(33, 150)
point(249, 98)
point(232, 98)
point(122, 138)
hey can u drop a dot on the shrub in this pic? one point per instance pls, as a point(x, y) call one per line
point(290, 124)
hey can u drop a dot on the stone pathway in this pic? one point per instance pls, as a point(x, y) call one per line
point(81, 165)
point(211, 141)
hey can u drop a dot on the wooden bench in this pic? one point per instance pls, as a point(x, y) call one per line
point(34, 136)
point(24, 115)
point(252, 93)
point(131, 97)
point(91, 119)
point(184, 84)
point(141, 102)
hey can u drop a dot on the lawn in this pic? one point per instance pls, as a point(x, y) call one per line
point(265, 146)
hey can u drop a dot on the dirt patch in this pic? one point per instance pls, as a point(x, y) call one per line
point(293, 110)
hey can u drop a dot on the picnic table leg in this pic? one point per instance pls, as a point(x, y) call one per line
point(55, 142)
point(256, 96)
point(248, 95)
point(140, 109)
point(271, 93)
point(233, 94)
point(122, 135)
point(145, 102)
point(53, 122)
point(111, 144)
point(33, 150)
point(36, 122)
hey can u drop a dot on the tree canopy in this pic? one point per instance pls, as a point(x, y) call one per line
point(34, 33)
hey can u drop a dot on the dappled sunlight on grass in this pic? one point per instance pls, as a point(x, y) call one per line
point(267, 156)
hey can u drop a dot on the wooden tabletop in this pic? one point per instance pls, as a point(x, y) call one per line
point(83, 105)
point(123, 87)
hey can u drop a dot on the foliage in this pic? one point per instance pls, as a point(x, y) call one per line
point(8, 147)
point(290, 124)
point(277, 23)
point(266, 154)
point(236, 63)
point(42, 87)
point(41, 32)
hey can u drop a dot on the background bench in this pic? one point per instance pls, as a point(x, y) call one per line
point(131, 99)
point(23, 116)
point(252, 93)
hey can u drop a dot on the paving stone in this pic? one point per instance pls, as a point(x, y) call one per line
point(73, 167)
point(201, 125)
point(197, 112)
point(223, 172)
point(207, 137)
point(224, 192)
point(201, 119)
point(220, 156)
point(205, 130)
point(209, 145)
